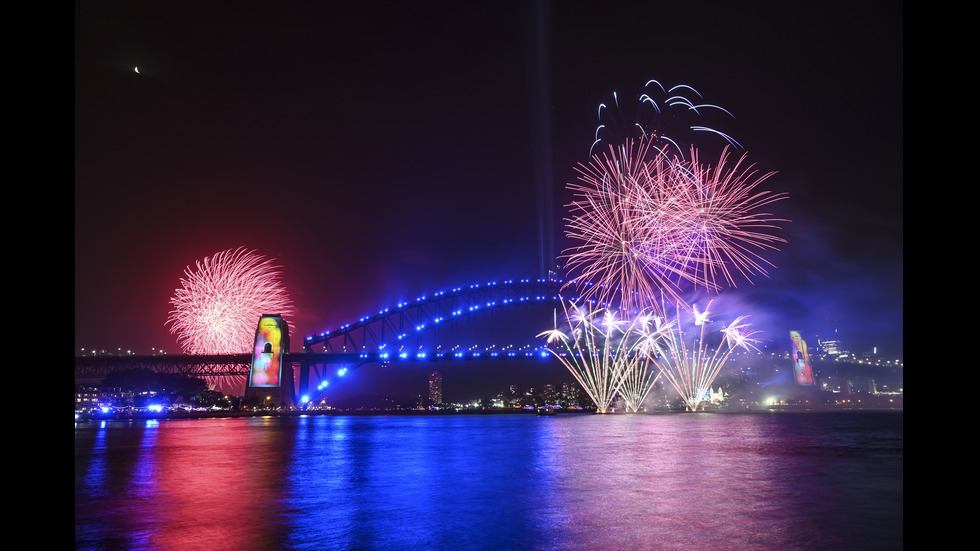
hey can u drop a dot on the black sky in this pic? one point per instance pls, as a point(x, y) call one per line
point(384, 150)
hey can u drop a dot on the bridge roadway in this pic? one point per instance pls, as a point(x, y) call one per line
point(96, 368)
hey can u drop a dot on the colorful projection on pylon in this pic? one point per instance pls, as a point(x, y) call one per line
point(801, 360)
point(267, 355)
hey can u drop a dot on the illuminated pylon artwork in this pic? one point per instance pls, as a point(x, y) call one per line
point(269, 374)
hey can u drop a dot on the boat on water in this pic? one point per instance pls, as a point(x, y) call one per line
point(546, 411)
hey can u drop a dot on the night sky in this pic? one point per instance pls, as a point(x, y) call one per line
point(380, 151)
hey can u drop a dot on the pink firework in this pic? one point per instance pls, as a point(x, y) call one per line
point(618, 204)
point(218, 305)
point(722, 227)
point(649, 227)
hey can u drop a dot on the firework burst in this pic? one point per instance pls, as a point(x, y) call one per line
point(648, 225)
point(718, 222)
point(216, 309)
point(618, 203)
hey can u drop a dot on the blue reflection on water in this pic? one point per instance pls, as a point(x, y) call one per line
point(460, 482)
point(123, 482)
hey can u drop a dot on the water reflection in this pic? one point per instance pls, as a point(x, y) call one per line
point(173, 484)
point(412, 482)
point(492, 482)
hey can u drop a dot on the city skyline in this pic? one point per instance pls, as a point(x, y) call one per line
point(377, 161)
point(399, 385)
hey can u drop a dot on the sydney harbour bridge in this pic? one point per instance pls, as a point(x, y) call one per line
point(498, 320)
point(493, 321)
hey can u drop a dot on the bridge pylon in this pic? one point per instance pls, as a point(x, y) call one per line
point(270, 379)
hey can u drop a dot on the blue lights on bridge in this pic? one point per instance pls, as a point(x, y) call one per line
point(512, 311)
point(376, 332)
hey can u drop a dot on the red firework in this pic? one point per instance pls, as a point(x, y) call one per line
point(218, 305)
point(649, 227)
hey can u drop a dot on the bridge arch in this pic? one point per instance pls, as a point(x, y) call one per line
point(496, 320)
point(390, 330)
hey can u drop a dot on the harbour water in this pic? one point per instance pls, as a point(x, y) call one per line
point(747, 481)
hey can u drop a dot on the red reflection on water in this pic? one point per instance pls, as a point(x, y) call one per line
point(224, 500)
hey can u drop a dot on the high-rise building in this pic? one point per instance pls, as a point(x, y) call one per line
point(435, 388)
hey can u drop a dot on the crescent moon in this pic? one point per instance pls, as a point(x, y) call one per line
point(137, 69)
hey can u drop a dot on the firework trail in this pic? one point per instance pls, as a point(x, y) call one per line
point(648, 225)
point(688, 358)
point(673, 119)
point(642, 371)
point(216, 309)
point(597, 349)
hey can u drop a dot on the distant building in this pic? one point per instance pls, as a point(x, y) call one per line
point(435, 388)
point(549, 394)
point(831, 347)
point(716, 396)
point(91, 397)
point(569, 394)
